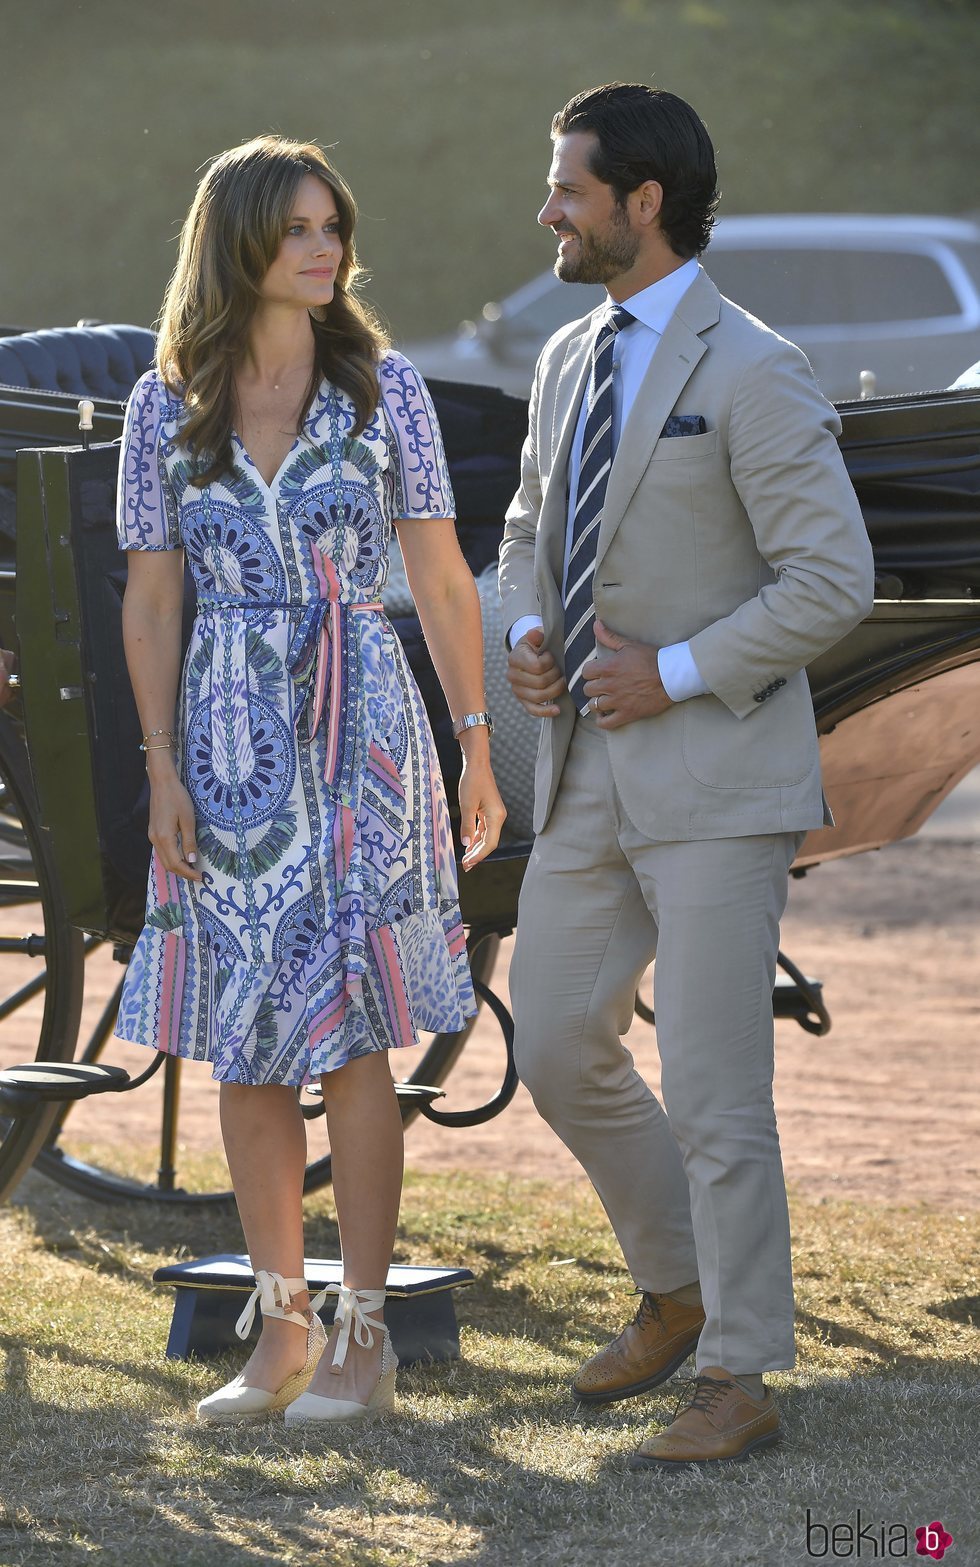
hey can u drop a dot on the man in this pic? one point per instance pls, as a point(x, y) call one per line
point(684, 541)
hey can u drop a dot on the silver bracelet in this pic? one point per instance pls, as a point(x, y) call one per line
point(472, 721)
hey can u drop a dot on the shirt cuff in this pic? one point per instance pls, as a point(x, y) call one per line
point(525, 624)
point(679, 674)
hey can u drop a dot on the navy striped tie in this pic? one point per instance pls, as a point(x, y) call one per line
point(597, 456)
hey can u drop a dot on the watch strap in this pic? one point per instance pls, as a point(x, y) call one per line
point(472, 721)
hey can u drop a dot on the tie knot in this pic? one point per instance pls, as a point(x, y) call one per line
point(617, 319)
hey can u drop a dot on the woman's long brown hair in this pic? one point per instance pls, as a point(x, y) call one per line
point(231, 236)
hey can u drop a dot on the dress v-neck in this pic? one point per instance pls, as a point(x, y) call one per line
point(269, 485)
point(312, 414)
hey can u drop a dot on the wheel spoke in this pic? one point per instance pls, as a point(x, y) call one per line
point(24, 994)
point(18, 889)
point(92, 1052)
point(28, 877)
point(103, 1028)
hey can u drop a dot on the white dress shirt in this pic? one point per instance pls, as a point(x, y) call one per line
point(633, 349)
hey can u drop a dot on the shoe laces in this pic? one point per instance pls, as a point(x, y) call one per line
point(649, 1308)
point(707, 1392)
point(352, 1311)
point(275, 1295)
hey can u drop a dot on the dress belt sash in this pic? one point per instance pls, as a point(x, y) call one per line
point(324, 661)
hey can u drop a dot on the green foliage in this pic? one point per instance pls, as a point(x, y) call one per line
point(439, 113)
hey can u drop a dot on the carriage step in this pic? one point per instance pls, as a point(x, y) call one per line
point(418, 1093)
point(787, 998)
point(22, 1087)
point(210, 1292)
point(410, 1093)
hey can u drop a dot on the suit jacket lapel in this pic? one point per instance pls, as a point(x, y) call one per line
point(678, 352)
point(569, 391)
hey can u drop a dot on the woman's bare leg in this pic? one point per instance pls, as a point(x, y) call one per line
point(265, 1144)
point(367, 1149)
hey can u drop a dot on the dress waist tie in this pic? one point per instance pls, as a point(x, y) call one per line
point(324, 660)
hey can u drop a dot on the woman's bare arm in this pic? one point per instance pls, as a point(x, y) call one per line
point(152, 610)
point(449, 608)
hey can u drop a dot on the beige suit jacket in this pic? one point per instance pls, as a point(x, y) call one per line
point(746, 541)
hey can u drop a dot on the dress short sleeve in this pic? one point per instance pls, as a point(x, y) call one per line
point(146, 513)
point(419, 471)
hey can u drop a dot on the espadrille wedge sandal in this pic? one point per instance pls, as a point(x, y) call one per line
point(237, 1400)
point(353, 1308)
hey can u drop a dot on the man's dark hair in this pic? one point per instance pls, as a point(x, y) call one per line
point(645, 134)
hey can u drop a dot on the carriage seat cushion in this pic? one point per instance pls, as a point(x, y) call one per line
point(86, 361)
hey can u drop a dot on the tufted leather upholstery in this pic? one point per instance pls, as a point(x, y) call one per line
point(89, 361)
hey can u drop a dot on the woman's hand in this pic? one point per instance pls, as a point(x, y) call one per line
point(172, 823)
point(449, 609)
point(482, 811)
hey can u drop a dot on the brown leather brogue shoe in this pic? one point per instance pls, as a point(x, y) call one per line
point(718, 1423)
point(648, 1351)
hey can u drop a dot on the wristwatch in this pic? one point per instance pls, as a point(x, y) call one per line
point(471, 721)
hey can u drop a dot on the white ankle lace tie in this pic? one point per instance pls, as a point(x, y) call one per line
point(274, 1294)
point(352, 1311)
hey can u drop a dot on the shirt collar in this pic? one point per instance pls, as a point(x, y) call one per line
point(655, 305)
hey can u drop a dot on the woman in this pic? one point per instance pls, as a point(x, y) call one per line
point(302, 914)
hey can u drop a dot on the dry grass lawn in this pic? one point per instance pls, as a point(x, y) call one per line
point(488, 1460)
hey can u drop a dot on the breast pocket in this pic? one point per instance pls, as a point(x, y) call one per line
point(671, 448)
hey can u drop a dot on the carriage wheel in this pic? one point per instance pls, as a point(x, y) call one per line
point(91, 1150)
point(41, 955)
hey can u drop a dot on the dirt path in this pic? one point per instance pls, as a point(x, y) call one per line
point(886, 1107)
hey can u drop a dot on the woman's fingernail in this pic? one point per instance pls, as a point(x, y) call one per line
point(192, 858)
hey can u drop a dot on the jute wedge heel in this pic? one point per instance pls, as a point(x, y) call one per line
point(237, 1400)
point(353, 1308)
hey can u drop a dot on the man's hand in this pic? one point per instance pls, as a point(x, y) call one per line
point(535, 678)
point(623, 681)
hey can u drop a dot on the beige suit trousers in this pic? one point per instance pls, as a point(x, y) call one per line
point(696, 1192)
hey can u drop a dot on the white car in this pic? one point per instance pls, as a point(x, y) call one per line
point(969, 380)
point(896, 296)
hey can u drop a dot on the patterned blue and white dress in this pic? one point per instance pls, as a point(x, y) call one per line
point(327, 924)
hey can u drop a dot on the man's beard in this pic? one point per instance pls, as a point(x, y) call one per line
point(599, 259)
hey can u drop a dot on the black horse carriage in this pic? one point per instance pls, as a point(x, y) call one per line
point(897, 702)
